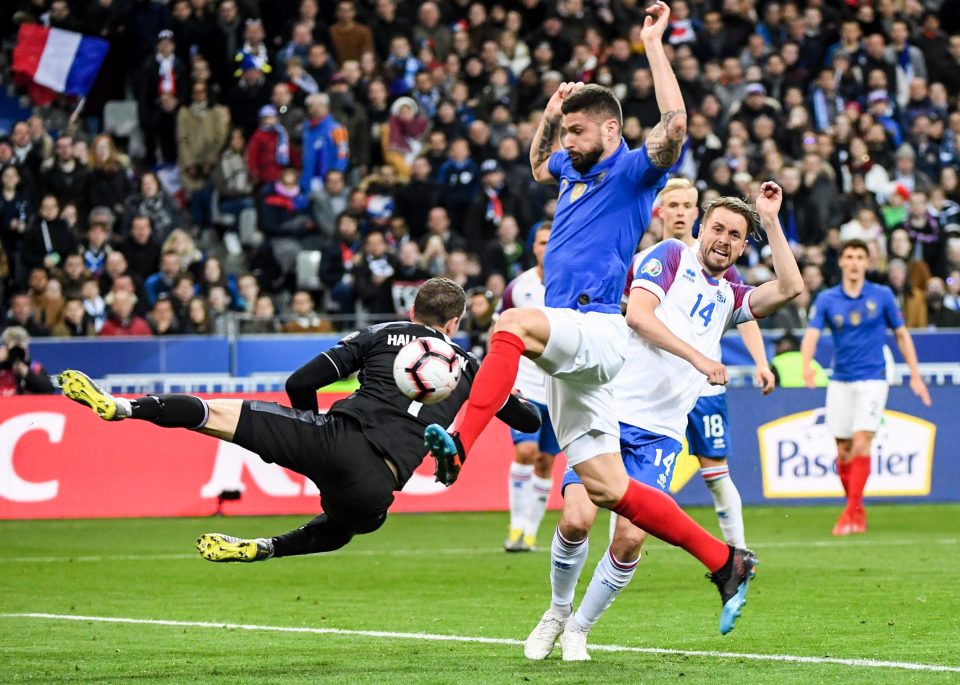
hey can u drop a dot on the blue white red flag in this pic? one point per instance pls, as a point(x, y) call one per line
point(64, 61)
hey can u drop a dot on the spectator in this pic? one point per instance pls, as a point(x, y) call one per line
point(304, 317)
point(218, 307)
point(154, 203)
point(910, 299)
point(480, 311)
point(415, 199)
point(325, 143)
point(72, 276)
point(15, 215)
point(162, 87)
point(96, 247)
point(233, 182)
point(939, 315)
point(249, 290)
point(198, 320)
point(263, 319)
point(337, 262)
point(109, 181)
point(140, 249)
point(93, 304)
point(410, 275)
point(429, 27)
point(19, 375)
point(202, 131)
point(269, 150)
point(161, 282)
point(405, 139)
point(329, 202)
point(350, 39)
point(122, 320)
point(285, 220)
point(23, 314)
point(250, 94)
point(458, 178)
point(214, 276)
point(353, 115)
point(373, 272)
point(48, 240)
point(76, 323)
point(182, 292)
point(179, 241)
point(65, 177)
point(505, 254)
point(494, 201)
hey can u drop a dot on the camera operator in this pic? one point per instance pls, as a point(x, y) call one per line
point(19, 375)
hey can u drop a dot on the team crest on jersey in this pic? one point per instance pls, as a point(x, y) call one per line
point(578, 190)
point(838, 320)
point(652, 268)
point(871, 308)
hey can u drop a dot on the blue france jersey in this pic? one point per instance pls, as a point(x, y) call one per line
point(859, 327)
point(600, 218)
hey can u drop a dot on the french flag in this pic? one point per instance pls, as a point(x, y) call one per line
point(63, 61)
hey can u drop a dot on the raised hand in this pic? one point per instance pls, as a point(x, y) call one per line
point(552, 110)
point(656, 22)
point(771, 196)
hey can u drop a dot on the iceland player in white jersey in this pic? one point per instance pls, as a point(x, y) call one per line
point(707, 424)
point(531, 473)
point(679, 306)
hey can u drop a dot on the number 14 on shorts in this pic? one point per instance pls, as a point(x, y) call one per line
point(667, 462)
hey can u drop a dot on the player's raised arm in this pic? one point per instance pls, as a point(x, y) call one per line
point(546, 140)
point(769, 297)
point(665, 140)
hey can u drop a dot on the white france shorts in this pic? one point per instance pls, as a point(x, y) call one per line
point(855, 406)
point(584, 351)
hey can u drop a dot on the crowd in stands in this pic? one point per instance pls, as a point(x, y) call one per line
point(390, 141)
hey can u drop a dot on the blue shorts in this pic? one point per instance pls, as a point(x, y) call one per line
point(545, 437)
point(708, 428)
point(648, 457)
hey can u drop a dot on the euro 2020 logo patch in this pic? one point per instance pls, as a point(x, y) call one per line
point(652, 268)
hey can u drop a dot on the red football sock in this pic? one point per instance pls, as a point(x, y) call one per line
point(657, 513)
point(843, 470)
point(859, 473)
point(491, 386)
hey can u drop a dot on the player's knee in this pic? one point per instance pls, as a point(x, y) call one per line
point(627, 543)
point(575, 524)
point(604, 495)
point(543, 465)
point(511, 321)
point(526, 453)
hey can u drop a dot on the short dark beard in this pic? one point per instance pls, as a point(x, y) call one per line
point(584, 162)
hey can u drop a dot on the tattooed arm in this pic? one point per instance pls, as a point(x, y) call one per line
point(546, 140)
point(665, 140)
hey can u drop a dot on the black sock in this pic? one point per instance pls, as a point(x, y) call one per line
point(319, 535)
point(170, 411)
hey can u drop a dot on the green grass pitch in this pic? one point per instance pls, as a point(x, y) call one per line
point(888, 596)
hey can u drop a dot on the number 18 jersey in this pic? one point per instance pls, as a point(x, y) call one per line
point(656, 389)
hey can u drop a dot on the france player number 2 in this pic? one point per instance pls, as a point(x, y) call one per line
point(706, 313)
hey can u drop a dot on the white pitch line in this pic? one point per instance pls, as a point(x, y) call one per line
point(433, 637)
point(424, 551)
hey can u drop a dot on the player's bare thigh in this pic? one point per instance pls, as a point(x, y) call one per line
point(627, 540)
point(604, 478)
point(223, 418)
point(709, 462)
point(578, 515)
point(529, 324)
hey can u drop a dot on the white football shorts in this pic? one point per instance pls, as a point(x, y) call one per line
point(584, 352)
point(855, 406)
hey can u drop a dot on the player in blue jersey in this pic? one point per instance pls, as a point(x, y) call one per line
point(858, 314)
point(708, 435)
point(579, 338)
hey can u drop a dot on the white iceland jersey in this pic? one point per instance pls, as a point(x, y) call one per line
point(527, 290)
point(656, 389)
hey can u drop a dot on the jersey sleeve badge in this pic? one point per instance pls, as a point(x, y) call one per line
point(652, 267)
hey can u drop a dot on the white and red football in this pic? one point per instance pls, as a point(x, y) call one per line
point(427, 370)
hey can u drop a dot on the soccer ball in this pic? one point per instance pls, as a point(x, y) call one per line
point(427, 370)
